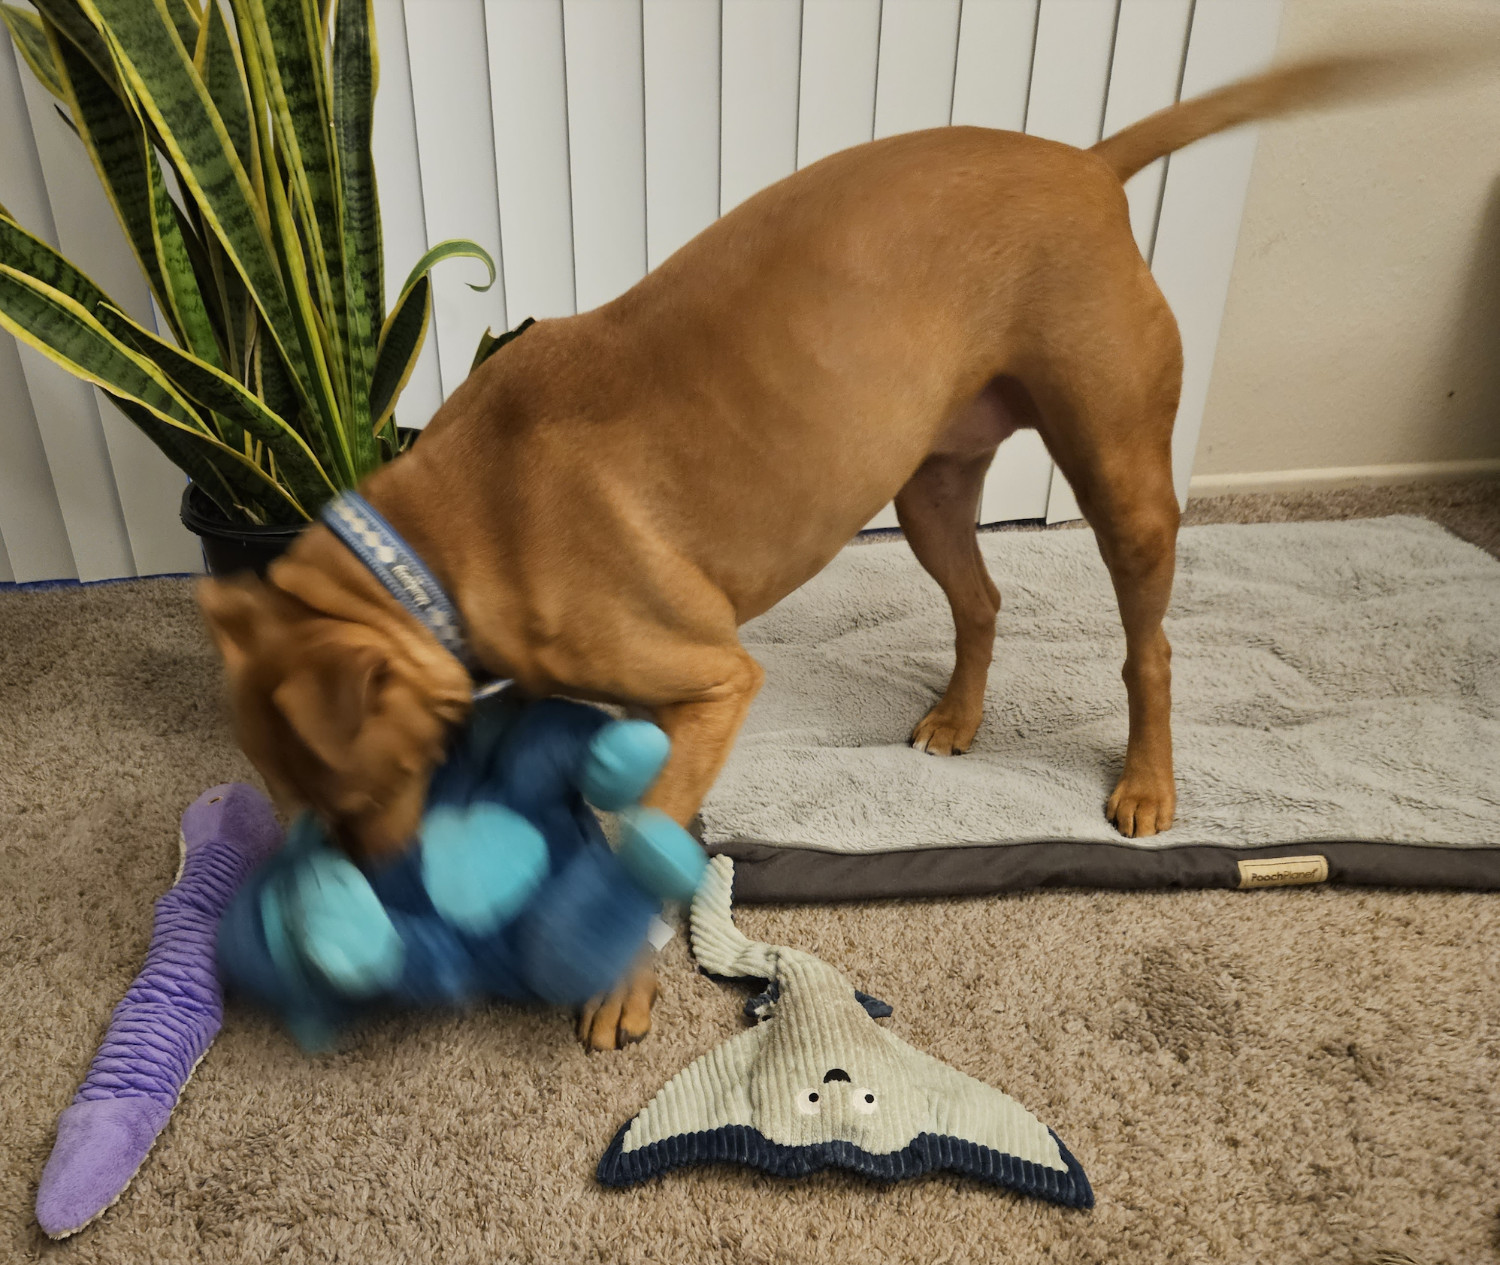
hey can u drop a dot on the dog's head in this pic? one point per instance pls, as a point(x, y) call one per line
point(346, 716)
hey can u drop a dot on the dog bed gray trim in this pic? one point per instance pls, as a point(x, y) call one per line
point(764, 873)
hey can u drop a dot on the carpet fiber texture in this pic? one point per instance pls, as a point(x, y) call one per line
point(1333, 682)
point(1310, 1074)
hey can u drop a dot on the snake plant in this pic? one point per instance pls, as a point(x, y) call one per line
point(279, 382)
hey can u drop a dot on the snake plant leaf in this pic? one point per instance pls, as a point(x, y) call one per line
point(69, 21)
point(184, 299)
point(25, 252)
point(62, 330)
point(160, 73)
point(269, 376)
point(400, 343)
point(356, 79)
point(215, 391)
point(356, 72)
point(320, 408)
point(290, 56)
point(453, 248)
point(223, 292)
point(30, 38)
point(491, 342)
point(187, 19)
point(230, 479)
point(217, 61)
point(404, 329)
point(327, 433)
point(116, 142)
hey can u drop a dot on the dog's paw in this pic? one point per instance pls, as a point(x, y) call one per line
point(1142, 806)
point(942, 732)
point(620, 1017)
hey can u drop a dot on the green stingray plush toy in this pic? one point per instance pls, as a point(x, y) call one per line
point(817, 1083)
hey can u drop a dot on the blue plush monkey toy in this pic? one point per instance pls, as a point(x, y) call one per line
point(510, 891)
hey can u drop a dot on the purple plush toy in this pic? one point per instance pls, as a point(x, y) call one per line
point(166, 1021)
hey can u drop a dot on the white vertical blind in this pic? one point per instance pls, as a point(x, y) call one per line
point(1202, 201)
point(682, 122)
point(992, 79)
point(72, 435)
point(1070, 68)
point(918, 52)
point(529, 102)
point(992, 88)
point(147, 485)
point(606, 146)
point(1150, 44)
point(31, 519)
point(403, 222)
point(760, 55)
point(914, 85)
point(448, 56)
point(583, 141)
point(840, 55)
point(1070, 80)
point(31, 522)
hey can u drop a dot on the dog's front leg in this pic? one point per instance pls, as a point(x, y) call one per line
point(623, 1016)
point(702, 729)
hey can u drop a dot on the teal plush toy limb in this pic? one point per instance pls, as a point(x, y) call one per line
point(510, 890)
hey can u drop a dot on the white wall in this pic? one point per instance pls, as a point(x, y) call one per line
point(1363, 322)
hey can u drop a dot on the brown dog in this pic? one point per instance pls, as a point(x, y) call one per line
point(611, 495)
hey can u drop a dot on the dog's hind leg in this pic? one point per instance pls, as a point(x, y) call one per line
point(1134, 514)
point(1108, 424)
point(938, 510)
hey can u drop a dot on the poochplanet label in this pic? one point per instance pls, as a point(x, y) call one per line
point(1283, 871)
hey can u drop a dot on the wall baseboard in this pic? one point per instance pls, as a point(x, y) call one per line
point(1329, 477)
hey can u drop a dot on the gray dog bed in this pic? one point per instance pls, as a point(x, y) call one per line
point(1337, 718)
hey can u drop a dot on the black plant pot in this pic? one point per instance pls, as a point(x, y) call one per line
point(231, 547)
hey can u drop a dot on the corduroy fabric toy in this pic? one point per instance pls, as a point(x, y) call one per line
point(817, 1083)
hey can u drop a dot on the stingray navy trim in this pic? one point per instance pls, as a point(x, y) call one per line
point(927, 1152)
point(395, 564)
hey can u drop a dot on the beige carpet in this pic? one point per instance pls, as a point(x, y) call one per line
point(1296, 1075)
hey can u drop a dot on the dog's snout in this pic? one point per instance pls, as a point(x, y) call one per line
point(835, 1074)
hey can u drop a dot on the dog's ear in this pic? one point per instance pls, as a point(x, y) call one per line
point(233, 610)
point(328, 697)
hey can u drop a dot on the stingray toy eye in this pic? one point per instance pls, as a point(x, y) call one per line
point(863, 1101)
point(809, 1102)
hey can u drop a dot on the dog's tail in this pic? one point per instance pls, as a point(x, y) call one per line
point(1287, 89)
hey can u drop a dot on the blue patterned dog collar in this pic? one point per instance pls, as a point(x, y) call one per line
point(395, 564)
